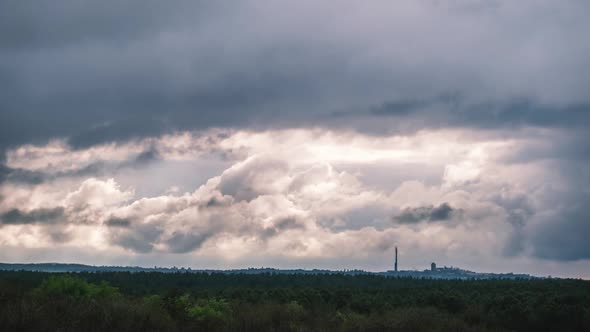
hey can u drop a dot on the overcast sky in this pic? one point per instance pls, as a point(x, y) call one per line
point(314, 134)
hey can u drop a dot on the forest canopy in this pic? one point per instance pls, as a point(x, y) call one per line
point(123, 301)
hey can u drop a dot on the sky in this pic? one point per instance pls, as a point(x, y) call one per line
point(297, 134)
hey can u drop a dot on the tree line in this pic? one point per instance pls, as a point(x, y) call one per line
point(150, 301)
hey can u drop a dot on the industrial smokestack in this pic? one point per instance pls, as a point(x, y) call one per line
point(395, 267)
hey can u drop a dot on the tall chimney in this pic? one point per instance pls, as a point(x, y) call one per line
point(395, 267)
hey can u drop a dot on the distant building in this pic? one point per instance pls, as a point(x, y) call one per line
point(433, 267)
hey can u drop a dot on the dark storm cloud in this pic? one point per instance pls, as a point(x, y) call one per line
point(217, 202)
point(569, 149)
point(186, 242)
point(564, 234)
point(147, 156)
point(18, 217)
point(93, 92)
point(522, 112)
point(429, 213)
point(552, 223)
point(96, 72)
point(400, 107)
point(24, 176)
point(20, 175)
point(17, 175)
point(280, 226)
point(51, 24)
point(134, 106)
point(138, 237)
point(118, 222)
point(450, 110)
point(519, 211)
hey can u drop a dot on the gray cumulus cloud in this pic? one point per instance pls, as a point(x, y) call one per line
point(98, 168)
point(430, 213)
point(42, 215)
point(118, 222)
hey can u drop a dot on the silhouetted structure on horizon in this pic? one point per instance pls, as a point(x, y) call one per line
point(395, 266)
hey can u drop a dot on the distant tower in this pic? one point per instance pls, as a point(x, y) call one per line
point(395, 266)
point(433, 267)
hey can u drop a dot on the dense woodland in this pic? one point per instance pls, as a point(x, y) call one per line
point(123, 301)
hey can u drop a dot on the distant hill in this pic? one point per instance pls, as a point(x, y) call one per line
point(438, 273)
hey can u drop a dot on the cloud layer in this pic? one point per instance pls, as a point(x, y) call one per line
point(96, 73)
point(301, 196)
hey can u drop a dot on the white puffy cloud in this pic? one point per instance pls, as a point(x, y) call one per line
point(303, 197)
point(97, 194)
